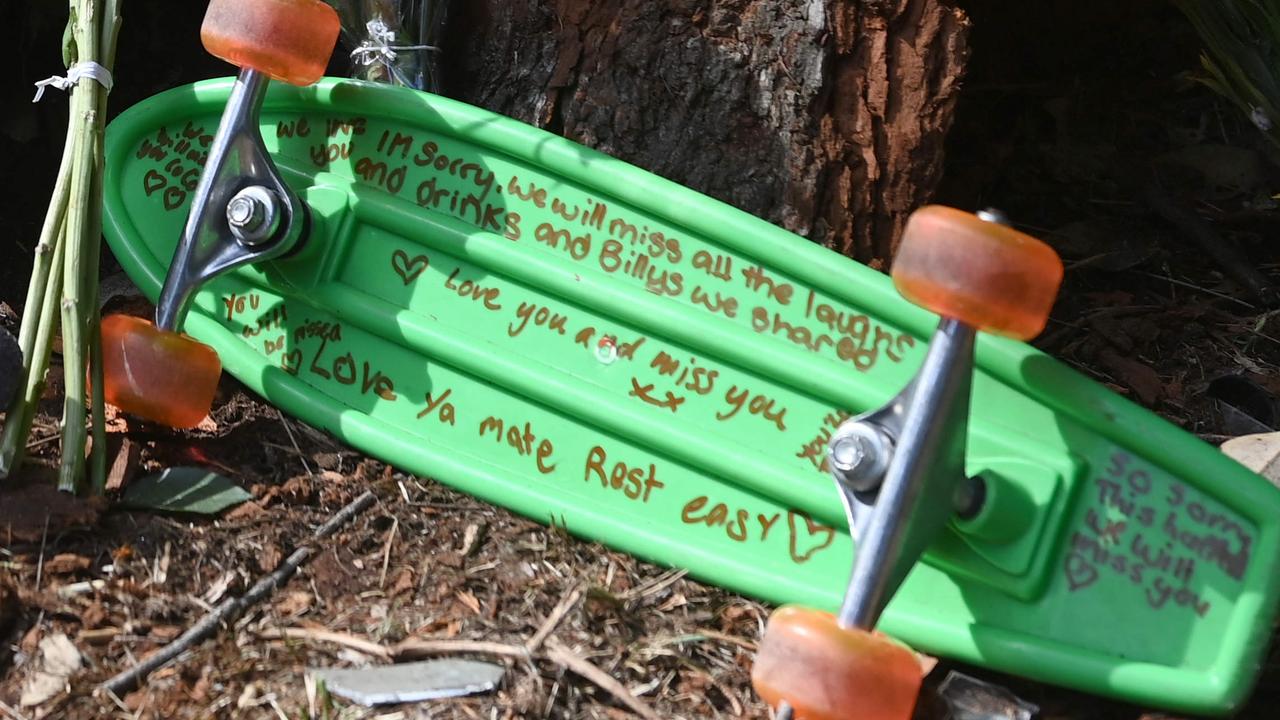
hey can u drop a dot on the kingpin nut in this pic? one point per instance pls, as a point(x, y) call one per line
point(859, 454)
point(253, 215)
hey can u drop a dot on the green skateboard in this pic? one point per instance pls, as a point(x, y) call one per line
point(554, 331)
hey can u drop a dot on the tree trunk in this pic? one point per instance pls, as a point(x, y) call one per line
point(826, 117)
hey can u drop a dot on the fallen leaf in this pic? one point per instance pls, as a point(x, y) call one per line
point(66, 563)
point(219, 587)
point(94, 616)
point(98, 636)
point(160, 571)
point(248, 697)
point(472, 537)
point(165, 633)
point(1144, 381)
point(122, 554)
point(1260, 453)
point(244, 512)
point(137, 700)
point(270, 557)
point(125, 465)
point(185, 490)
point(200, 691)
point(403, 582)
point(675, 601)
point(469, 600)
point(117, 423)
point(295, 603)
point(75, 589)
point(30, 640)
point(59, 660)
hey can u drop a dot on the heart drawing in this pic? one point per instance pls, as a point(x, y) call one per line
point(814, 536)
point(1080, 572)
point(291, 362)
point(408, 268)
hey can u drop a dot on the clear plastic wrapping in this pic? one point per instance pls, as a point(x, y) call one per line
point(394, 41)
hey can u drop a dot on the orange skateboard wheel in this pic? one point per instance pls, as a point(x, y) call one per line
point(161, 376)
point(984, 274)
point(826, 672)
point(287, 40)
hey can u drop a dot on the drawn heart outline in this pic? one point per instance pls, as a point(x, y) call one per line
point(812, 529)
point(154, 181)
point(291, 362)
point(409, 268)
point(1080, 572)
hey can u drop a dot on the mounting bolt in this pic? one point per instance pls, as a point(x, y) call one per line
point(859, 455)
point(253, 215)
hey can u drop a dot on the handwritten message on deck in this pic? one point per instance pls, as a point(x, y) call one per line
point(442, 174)
point(450, 407)
point(621, 360)
point(177, 157)
point(1168, 541)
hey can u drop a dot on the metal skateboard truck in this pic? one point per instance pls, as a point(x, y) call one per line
point(900, 469)
point(242, 212)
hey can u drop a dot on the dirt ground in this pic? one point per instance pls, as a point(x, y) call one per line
point(1075, 120)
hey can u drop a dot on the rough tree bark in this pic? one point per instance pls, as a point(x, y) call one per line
point(826, 117)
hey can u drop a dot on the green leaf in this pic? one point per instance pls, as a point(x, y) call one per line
point(1242, 52)
point(69, 41)
point(185, 490)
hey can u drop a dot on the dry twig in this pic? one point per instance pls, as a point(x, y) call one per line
point(416, 648)
point(554, 618)
point(352, 642)
point(559, 653)
point(386, 552)
point(232, 608)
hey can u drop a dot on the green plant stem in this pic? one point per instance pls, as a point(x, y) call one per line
point(34, 364)
point(64, 283)
point(98, 421)
point(53, 220)
point(18, 423)
point(85, 100)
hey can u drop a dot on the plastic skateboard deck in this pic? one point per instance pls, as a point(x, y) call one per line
point(562, 334)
